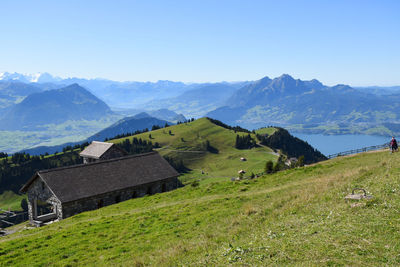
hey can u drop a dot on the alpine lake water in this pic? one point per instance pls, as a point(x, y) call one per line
point(331, 144)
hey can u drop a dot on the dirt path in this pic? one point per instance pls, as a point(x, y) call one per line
point(271, 152)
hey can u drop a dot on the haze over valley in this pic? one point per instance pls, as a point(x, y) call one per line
point(33, 107)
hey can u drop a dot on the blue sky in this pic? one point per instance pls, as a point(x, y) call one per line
point(351, 42)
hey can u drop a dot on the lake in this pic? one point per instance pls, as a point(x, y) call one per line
point(331, 144)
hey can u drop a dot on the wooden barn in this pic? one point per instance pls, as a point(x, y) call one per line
point(62, 192)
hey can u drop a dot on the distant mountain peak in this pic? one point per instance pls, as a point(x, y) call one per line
point(141, 115)
point(285, 77)
point(29, 78)
point(342, 87)
point(54, 106)
point(266, 90)
point(73, 86)
point(284, 82)
point(266, 78)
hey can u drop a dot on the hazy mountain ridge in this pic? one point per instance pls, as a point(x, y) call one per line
point(200, 100)
point(54, 106)
point(133, 94)
point(29, 78)
point(13, 92)
point(285, 101)
point(162, 114)
point(282, 101)
point(114, 93)
point(126, 125)
point(379, 90)
point(167, 115)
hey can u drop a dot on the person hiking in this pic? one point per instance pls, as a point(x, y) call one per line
point(393, 145)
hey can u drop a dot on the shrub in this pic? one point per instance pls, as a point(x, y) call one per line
point(269, 166)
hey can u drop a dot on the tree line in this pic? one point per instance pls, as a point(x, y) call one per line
point(137, 146)
point(15, 170)
point(244, 142)
point(291, 146)
point(226, 126)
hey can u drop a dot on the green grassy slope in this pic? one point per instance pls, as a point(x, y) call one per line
point(268, 130)
point(10, 200)
point(186, 142)
point(222, 165)
point(295, 217)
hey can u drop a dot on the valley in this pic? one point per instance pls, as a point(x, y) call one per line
point(53, 134)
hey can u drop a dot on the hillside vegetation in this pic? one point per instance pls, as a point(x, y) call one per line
point(10, 201)
point(298, 216)
point(202, 149)
point(187, 142)
point(223, 161)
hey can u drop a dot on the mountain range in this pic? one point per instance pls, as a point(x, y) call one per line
point(54, 107)
point(29, 101)
point(176, 96)
point(287, 101)
point(198, 101)
point(29, 78)
point(116, 94)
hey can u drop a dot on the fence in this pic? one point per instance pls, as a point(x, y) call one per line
point(360, 150)
point(9, 218)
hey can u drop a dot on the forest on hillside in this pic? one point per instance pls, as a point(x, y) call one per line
point(16, 170)
point(291, 146)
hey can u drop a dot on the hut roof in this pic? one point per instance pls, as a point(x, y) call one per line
point(86, 180)
point(96, 149)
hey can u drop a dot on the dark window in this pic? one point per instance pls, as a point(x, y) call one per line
point(100, 203)
point(134, 194)
point(163, 188)
point(43, 185)
point(117, 199)
point(149, 191)
point(43, 207)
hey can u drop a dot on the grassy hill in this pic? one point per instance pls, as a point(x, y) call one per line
point(186, 142)
point(294, 217)
point(266, 131)
point(10, 201)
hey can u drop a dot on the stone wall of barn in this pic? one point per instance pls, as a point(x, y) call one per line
point(39, 191)
point(95, 202)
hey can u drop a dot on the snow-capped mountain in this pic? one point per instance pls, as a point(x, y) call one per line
point(29, 78)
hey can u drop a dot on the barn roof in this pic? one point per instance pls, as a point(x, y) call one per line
point(96, 149)
point(86, 180)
